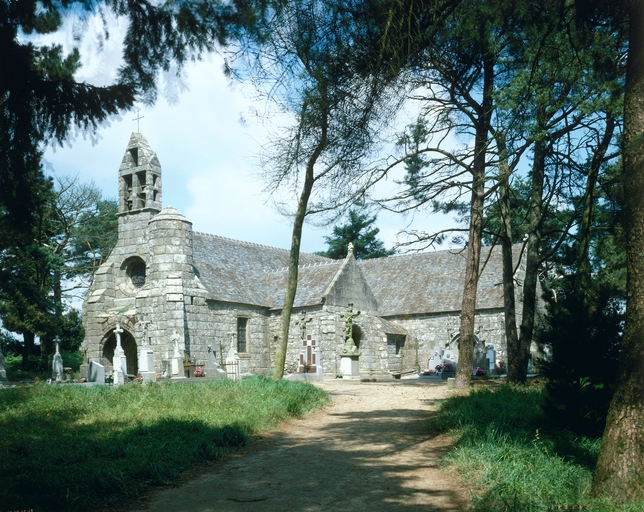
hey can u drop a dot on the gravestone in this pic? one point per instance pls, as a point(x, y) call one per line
point(310, 363)
point(58, 370)
point(491, 355)
point(95, 372)
point(177, 358)
point(83, 366)
point(482, 362)
point(436, 359)
point(232, 360)
point(212, 368)
point(3, 372)
point(119, 361)
point(147, 370)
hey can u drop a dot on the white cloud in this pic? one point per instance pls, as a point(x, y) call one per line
point(209, 158)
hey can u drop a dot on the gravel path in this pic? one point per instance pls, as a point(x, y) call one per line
point(369, 450)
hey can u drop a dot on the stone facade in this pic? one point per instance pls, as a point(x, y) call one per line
point(206, 291)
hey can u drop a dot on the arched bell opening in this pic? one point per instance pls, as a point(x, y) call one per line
point(129, 347)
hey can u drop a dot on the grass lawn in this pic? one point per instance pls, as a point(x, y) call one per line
point(514, 459)
point(65, 447)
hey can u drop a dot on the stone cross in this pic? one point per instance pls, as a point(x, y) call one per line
point(348, 321)
point(145, 324)
point(302, 323)
point(350, 248)
point(117, 333)
point(119, 360)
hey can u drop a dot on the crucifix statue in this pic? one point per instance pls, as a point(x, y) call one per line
point(302, 323)
point(146, 325)
point(349, 345)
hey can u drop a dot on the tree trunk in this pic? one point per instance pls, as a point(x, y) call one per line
point(468, 307)
point(620, 468)
point(509, 305)
point(532, 255)
point(298, 224)
point(588, 206)
point(28, 349)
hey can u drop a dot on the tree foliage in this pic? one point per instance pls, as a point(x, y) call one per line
point(359, 231)
point(311, 69)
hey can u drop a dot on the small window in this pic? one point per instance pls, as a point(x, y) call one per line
point(242, 334)
point(137, 273)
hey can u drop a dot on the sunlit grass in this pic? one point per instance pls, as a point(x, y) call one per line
point(67, 447)
point(514, 459)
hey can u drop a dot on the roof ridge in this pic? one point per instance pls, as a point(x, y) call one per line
point(304, 265)
point(241, 241)
point(263, 246)
point(454, 251)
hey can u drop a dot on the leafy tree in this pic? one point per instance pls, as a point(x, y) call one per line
point(310, 68)
point(58, 261)
point(359, 231)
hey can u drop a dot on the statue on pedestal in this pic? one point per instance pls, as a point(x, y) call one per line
point(349, 348)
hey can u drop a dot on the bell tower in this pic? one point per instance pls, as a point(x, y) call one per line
point(139, 178)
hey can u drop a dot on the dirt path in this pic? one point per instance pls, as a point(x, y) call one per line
point(369, 450)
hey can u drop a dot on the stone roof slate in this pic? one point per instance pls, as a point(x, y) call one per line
point(234, 271)
point(421, 283)
point(312, 280)
point(432, 282)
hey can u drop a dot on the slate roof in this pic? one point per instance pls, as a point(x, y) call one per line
point(236, 271)
point(312, 280)
point(431, 282)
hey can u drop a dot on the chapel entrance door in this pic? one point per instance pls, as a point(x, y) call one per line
point(129, 347)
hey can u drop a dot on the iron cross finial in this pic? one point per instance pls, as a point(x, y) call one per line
point(137, 119)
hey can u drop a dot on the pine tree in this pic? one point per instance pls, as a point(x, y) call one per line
point(359, 231)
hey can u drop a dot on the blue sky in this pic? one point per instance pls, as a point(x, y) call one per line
point(208, 139)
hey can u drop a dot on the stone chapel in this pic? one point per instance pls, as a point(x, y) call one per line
point(203, 293)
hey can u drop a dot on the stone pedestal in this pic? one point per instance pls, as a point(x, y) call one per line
point(119, 363)
point(350, 367)
point(146, 364)
point(177, 368)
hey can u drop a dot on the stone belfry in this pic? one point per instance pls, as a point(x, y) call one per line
point(139, 180)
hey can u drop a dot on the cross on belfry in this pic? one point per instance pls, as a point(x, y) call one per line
point(137, 119)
